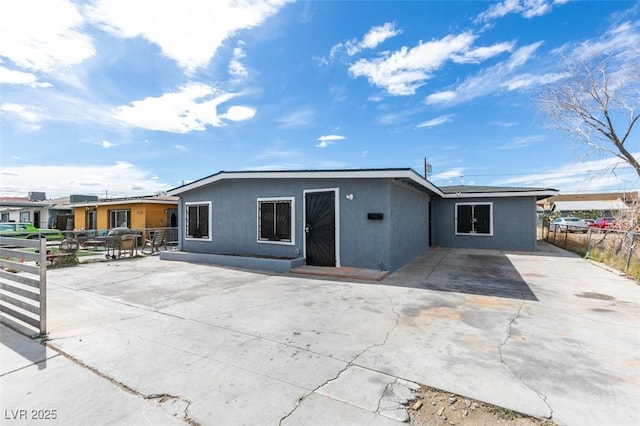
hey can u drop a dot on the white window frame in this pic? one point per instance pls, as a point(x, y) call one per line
point(25, 216)
point(475, 234)
point(292, 202)
point(186, 219)
point(113, 214)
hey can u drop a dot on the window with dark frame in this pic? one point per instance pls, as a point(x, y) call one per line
point(91, 219)
point(274, 221)
point(198, 221)
point(474, 219)
point(120, 218)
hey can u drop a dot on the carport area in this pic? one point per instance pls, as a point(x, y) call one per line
point(547, 334)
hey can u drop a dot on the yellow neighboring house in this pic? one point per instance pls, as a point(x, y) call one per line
point(137, 213)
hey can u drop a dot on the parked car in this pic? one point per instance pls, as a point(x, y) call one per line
point(28, 230)
point(602, 223)
point(569, 224)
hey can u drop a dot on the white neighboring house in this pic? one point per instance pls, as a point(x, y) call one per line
point(609, 207)
point(34, 209)
point(606, 204)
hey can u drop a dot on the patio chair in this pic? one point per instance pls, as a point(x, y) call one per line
point(155, 242)
point(127, 245)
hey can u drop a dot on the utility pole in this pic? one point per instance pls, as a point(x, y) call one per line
point(427, 168)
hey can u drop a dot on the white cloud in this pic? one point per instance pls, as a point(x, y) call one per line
point(525, 8)
point(298, 119)
point(447, 176)
point(275, 166)
point(505, 124)
point(479, 54)
point(522, 55)
point(402, 72)
point(29, 116)
point(441, 97)
point(522, 142)
point(436, 121)
point(379, 34)
point(85, 178)
point(192, 107)
point(488, 80)
point(325, 141)
point(8, 76)
point(181, 147)
point(609, 174)
point(106, 144)
point(373, 38)
point(43, 35)
point(236, 68)
point(239, 113)
point(523, 81)
point(187, 31)
point(324, 144)
point(622, 39)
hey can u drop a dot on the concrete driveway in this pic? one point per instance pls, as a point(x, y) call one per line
point(547, 334)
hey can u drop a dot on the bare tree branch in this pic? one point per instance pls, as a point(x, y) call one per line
point(599, 101)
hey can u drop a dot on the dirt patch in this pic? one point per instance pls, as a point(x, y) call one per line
point(436, 408)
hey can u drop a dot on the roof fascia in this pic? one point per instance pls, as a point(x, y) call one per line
point(311, 174)
point(501, 194)
point(114, 203)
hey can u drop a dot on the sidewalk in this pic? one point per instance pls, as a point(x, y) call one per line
point(41, 386)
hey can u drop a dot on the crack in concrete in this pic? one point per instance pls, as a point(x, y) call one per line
point(510, 325)
point(164, 397)
point(347, 366)
point(161, 398)
point(384, 392)
point(542, 396)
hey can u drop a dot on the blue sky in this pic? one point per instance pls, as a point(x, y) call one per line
point(125, 97)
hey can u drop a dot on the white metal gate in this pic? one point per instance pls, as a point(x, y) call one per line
point(23, 285)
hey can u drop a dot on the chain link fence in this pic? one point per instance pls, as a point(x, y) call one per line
point(615, 248)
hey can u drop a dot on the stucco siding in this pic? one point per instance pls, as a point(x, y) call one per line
point(409, 225)
point(363, 243)
point(514, 224)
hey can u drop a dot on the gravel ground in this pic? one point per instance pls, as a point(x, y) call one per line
point(435, 408)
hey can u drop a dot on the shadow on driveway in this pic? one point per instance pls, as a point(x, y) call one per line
point(481, 272)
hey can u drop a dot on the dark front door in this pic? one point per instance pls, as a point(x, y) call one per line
point(320, 228)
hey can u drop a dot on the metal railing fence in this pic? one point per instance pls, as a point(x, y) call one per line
point(23, 285)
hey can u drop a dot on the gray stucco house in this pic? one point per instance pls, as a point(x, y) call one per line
point(374, 218)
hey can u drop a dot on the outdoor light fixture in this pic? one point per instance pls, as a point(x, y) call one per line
point(349, 197)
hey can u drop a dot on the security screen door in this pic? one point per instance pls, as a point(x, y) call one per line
point(320, 228)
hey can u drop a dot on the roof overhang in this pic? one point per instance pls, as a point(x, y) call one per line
point(121, 202)
point(408, 176)
point(589, 205)
point(26, 204)
point(540, 194)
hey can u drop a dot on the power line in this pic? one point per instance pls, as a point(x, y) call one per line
point(574, 172)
